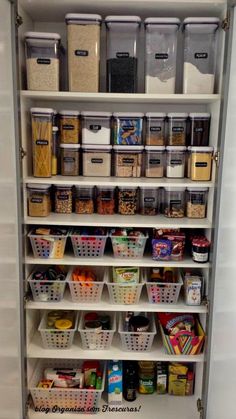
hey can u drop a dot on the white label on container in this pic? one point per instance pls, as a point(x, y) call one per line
point(46, 61)
point(155, 129)
point(68, 127)
point(198, 129)
point(122, 55)
point(36, 200)
point(154, 161)
point(177, 129)
point(176, 162)
point(81, 53)
point(201, 55)
point(200, 257)
point(96, 160)
point(41, 142)
point(201, 164)
point(161, 56)
point(94, 127)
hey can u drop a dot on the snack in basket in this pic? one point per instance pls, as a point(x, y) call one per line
point(161, 249)
point(168, 244)
point(52, 273)
point(127, 275)
point(65, 377)
point(61, 320)
point(85, 276)
point(52, 231)
point(45, 384)
point(173, 323)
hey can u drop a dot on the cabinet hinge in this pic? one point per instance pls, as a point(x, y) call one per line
point(226, 23)
point(28, 402)
point(206, 302)
point(23, 153)
point(18, 20)
point(217, 158)
point(27, 296)
point(200, 408)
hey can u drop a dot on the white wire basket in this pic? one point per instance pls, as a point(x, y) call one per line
point(54, 338)
point(128, 246)
point(81, 400)
point(46, 290)
point(90, 292)
point(48, 246)
point(137, 341)
point(97, 340)
point(168, 293)
point(88, 246)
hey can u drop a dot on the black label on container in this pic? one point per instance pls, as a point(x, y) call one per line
point(69, 159)
point(94, 160)
point(176, 162)
point(154, 161)
point(128, 127)
point(84, 198)
point(36, 200)
point(201, 164)
point(122, 55)
point(68, 127)
point(127, 160)
point(81, 53)
point(95, 127)
point(198, 129)
point(46, 61)
point(201, 55)
point(161, 56)
point(128, 200)
point(197, 199)
point(175, 202)
point(177, 129)
point(155, 129)
point(106, 198)
point(148, 200)
point(63, 197)
point(41, 142)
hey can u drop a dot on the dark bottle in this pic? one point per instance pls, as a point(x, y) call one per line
point(129, 380)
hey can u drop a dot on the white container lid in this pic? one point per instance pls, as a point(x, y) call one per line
point(128, 148)
point(155, 115)
point(42, 35)
point(162, 21)
point(199, 149)
point(156, 148)
point(69, 113)
point(63, 186)
point(55, 129)
point(201, 20)
point(199, 115)
point(96, 114)
point(97, 147)
point(148, 188)
point(84, 186)
point(174, 189)
point(127, 188)
point(75, 146)
point(41, 110)
point(82, 16)
point(123, 19)
point(177, 115)
point(106, 188)
point(38, 186)
point(128, 115)
point(197, 189)
point(176, 148)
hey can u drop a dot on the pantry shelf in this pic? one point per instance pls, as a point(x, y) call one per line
point(36, 350)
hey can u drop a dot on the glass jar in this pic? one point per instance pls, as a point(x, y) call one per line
point(97, 160)
point(155, 128)
point(63, 199)
point(128, 160)
point(106, 200)
point(201, 163)
point(160, 56)
point(177, 128)
point(69, 127)
point(128, 128)
point(69, 159)
point(41, 122)
point(175, 162)
point(174, 202)
point(149, 201)
point(39, 200)
point(154, 161)
point(96, 127)
point(42, 60)
point(200, 50)
point(146, 374)
point(122, 61)
point(83, 34)
point(84, 196)
point(127, 200)
point(200, 129)
point(196, 202)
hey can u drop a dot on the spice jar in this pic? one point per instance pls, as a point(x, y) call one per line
point(196, 202)
point(200, 249)
point(200, 128)
point(127, 200)
point(149, 201)
point(70, 159)
point(63, 199)
point(174, 202)
point(106, 200)
point(177, 126)
point(154, 161)
point(97, 160)
point(96, 127)
point(39, 200)
point(175, 162)
point(41, 121)
point(201, 163)
point(84, 199)
point(155, 128)
point(128, 160)
point(146, 375)
point(127, 128)
point(69, 127)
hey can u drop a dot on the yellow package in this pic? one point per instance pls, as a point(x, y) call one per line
point(177, 385)
point(177, 369)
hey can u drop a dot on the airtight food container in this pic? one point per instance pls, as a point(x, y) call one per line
point(96, 127)
point(200, 129)
point(122, 46)
point(41, 124)
point(96, 160)
point(128, 160)
point(174, 202)
point(128, 128)
point(149, 204)
point(154, 161)
point(196, 202)
point(69, 127)
point(200, 51)
point(160, 54)
point(70, 159)
point(177, 128)
point(200, 163)
point(155, 128)
point(42, 60)
point(83, 36)
point(175, 161)
point(39, 200)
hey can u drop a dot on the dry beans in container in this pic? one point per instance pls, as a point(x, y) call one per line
point(42, 60)
point(83, 34)
point(69, 127)
point(174, 202)
point(70, 159)
point(128, 161)
point(63, 199)
point(127, 201)
point(175, 161)
point(128, 128)
point(39, 200)
point(196, 202)
point(41, 120)
point(177, 127)
point(148, 201)
point(97, 160)
point(200, 129)
point(155, 128)
point(96, 127)
point(106, 200)
point(201, 163)
point(154, 161)
point(84, 200)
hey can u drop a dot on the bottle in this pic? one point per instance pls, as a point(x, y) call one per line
point(156, 275)
point(189, 384)
point(99, 381)
point(130, 381)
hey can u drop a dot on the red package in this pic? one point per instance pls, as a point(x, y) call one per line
point(178, 244)
point(177, 322)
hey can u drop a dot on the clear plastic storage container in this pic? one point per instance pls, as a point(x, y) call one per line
point(42, 60)
point(200, 163)
point(63, 199)
point(128, 160)
point(97, 160)
point(155, 128)
point(96, 127)
point(41, 122)
point(200, 129)
point(83, 34)
point(177, 128)
point(200, 49)
point(174, 202)
point(127, 200)
point(106, 200)
point(175, 161)
point(70, 159)
point(196, 202)
point(149, 201)
point(55, 151)
point(122, 61)
point(154, 161)
point(84, 196)
point(69, 127)
point(160, 56)
point(39, 200)
point(127, 128)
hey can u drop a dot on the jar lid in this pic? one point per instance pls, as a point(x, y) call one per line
point(201, 242)
point(69, 113)
point(156, 148)
point(125, 148)
point(176, 148)
point(75, 146)
point(63, 186)
point(38, 186)
point(199, 115)
point(70, 17)
point(177, 115)
point(197, 189)
point(201, 20)
point(55, 129)
point(97, 114)
point(42, 35)
point(122, 19)
point(155, 115)
point(128, 115)
point(97, 147)
point(162, 21)
point(149, 188)
point(174, 189)
point(41, 111)
point(199, 149)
